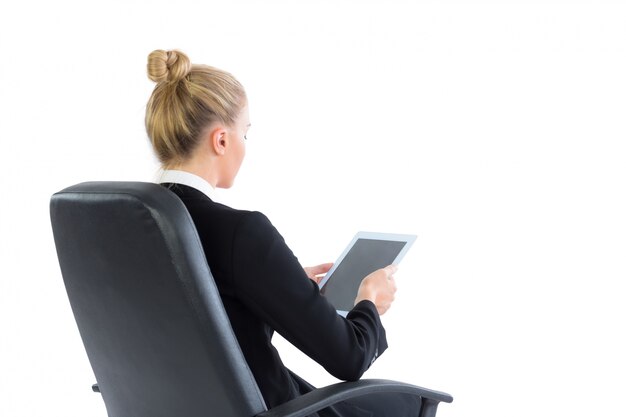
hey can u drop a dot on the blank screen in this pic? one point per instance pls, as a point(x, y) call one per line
point(365, 257)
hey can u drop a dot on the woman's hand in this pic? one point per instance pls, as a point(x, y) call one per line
point(316, 273)
point(379, 287)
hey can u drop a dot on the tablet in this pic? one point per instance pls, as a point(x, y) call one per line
point(367, 252)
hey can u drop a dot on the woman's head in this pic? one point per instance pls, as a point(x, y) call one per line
point(188, 101)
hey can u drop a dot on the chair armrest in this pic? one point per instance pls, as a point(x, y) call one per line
point(323, 397)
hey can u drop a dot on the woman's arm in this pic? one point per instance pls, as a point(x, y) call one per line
point(270, 281)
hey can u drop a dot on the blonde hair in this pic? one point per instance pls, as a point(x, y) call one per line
point(187, 99)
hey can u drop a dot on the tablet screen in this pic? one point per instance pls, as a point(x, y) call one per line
point(363, 258)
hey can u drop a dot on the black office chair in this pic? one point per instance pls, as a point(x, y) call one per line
point(151, 318)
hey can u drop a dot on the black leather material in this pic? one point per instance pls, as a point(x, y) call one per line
point(148, 311)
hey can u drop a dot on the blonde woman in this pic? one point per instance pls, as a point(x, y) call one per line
point(197, 120)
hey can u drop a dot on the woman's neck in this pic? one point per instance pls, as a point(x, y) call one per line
point(202, 168)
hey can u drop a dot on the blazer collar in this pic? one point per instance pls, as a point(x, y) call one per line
point(187, 178)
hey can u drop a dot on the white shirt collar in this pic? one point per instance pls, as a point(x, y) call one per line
point(189, 179)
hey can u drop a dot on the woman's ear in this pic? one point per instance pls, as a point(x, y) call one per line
point(218, 140)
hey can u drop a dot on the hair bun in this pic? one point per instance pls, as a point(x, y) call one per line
point(170, 66)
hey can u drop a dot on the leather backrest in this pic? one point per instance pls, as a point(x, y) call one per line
point(147, 308)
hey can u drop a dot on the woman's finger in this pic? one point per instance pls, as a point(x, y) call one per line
point(319, 269)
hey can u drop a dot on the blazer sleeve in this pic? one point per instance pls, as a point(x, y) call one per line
point(270, 281)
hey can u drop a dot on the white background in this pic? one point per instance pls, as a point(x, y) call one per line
point(493, 130)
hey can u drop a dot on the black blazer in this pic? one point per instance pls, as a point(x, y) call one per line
point(265, 289)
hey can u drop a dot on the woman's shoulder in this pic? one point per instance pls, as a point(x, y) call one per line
point(256, 223)
point(249, 222)
point(206, 212)
point(222, 212)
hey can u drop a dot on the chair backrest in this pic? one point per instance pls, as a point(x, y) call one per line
point(147, 308)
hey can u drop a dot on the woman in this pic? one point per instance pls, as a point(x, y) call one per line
point(197, 120)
